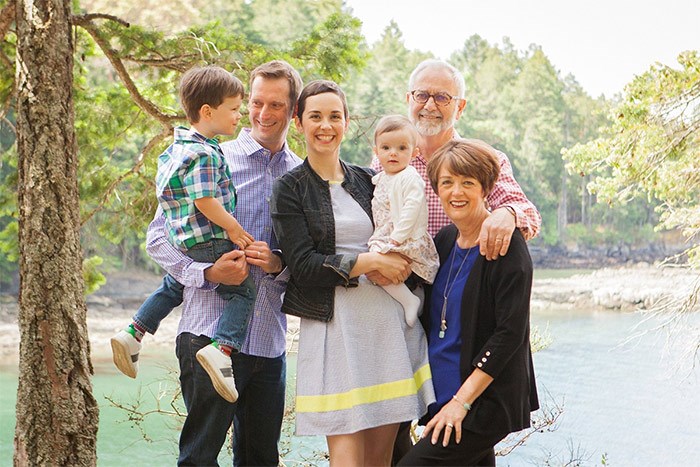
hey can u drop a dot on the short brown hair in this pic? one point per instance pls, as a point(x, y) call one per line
point(321, 86)
point(469, 158)
point(208, 85)
point(391, 123)
point(277, 69)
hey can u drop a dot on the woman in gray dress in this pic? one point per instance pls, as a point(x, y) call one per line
point(361, 370)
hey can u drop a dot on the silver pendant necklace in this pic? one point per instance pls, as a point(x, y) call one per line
point(448, 288)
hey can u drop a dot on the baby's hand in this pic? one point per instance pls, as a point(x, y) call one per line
point(240, 237)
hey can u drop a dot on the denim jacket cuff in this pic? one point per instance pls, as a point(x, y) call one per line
point(341, 264)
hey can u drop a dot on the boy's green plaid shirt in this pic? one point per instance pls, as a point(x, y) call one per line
point(192, 167)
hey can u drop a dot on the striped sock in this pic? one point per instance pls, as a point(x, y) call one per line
point(136, 331)
point(225, 349)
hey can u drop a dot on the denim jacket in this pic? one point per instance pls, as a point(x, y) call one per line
point(302, 216)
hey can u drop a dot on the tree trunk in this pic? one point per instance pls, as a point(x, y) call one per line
point(56, 413)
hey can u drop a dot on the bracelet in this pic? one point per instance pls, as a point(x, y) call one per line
point(465, 405)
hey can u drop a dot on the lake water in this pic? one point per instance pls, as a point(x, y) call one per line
point(623, 404)
point(628, 401)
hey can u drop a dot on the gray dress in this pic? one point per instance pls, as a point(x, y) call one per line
point(365, 368)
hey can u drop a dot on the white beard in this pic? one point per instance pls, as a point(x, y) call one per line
point(432, 128)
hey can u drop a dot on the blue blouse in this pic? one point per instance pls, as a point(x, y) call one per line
point(444, 353)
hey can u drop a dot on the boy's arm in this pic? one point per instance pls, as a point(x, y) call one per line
point(216, 213)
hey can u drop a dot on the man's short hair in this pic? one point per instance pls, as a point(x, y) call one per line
point(391, 123)
point(432, 63)
point(469, 158)
point(208, 85)
point(277, 69)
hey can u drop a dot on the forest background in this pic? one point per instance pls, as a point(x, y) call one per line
point(599, 202)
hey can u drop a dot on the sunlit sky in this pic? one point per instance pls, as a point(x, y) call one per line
point(604, 44)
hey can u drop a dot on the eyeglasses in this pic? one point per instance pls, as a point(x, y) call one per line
point(440, 98)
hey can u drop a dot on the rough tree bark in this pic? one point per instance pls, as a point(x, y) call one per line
point(57, 415)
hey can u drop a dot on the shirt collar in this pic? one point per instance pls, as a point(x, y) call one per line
point(253, 147)
point(190, 135)
point(423, 160)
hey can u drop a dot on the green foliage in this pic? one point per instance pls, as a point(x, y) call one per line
point(517, 101)
point(651, 149)
point(377, 90)
point(92, 277)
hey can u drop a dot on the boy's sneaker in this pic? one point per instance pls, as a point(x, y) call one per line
point(218, 366)
point(125, 353)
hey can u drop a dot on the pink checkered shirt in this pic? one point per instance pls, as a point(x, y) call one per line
point(506, 192)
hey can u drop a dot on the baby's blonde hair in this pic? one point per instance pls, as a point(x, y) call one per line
point(391, 123)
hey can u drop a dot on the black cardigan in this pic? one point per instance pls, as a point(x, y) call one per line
point(495, 328)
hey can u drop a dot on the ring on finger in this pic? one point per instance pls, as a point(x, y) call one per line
point(450, 425)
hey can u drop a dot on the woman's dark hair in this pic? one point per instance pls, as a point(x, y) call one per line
point(469, 158)
point(320, 86)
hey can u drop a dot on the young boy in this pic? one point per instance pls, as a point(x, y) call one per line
point(195, 192)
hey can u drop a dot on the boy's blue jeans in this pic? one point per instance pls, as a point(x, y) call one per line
point(233, 324)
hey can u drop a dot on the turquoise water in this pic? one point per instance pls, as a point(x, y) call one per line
point(622, 402)
point(118, 438)
point(116, 435)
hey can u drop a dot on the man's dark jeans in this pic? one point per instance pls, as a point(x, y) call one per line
point(258, 411)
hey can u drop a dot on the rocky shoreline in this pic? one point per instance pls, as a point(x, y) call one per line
point(640, 286)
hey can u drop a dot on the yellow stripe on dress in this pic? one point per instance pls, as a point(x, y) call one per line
point(366, 395)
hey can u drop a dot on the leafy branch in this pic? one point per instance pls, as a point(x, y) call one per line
point(153, 143)
point(87, 22)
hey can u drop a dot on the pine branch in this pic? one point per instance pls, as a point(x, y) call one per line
point(167, 131)
point(85, 21)
point(180, 63)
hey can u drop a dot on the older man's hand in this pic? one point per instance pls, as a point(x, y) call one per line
point(496, 232)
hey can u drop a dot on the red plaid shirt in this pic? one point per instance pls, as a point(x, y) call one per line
point(506, 192)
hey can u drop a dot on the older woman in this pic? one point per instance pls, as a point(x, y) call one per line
point(477, 320)
point(361, 370)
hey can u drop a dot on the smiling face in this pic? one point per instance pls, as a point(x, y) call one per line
point(270, 112)
point(462, 197)
point(428, 118)
point(395, 149)
point(221, 120)
point(323, 124)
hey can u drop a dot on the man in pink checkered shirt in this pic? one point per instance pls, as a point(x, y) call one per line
point(435, 100)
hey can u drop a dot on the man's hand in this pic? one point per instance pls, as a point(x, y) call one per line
point(496, 232)
point(230, 269)
point(259, 254)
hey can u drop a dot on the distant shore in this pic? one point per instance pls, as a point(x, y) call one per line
point(642, 286)
point(613, 288)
